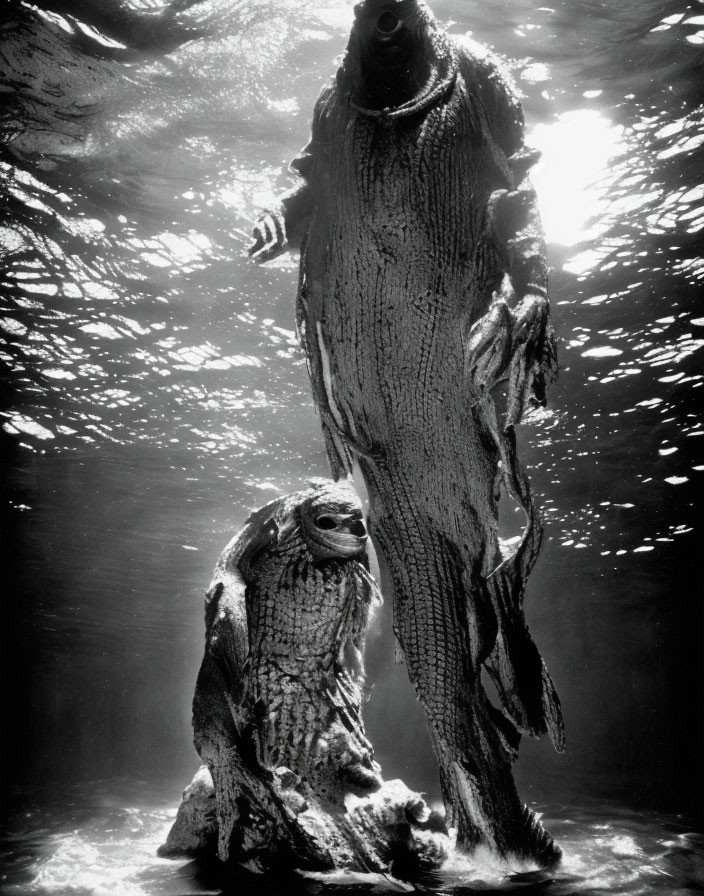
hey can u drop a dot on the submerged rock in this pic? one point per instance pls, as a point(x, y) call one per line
point(195, 831)
point(391, 830)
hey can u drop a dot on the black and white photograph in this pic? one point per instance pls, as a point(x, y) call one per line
point(352, 445)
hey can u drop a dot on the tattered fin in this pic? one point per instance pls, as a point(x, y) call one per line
point(533, 707)
point(514, 664)
point(536, 842)
point(547, 366)
point(503, 674)
point(327, 378)
point(552, 711)
point(518, 672)
point(508, 733)
point(342, 439)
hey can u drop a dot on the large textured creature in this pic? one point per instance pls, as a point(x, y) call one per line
point(277, 707)
point(423, 286)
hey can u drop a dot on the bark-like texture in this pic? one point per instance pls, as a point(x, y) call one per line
point(423, 284)
point(277, 707)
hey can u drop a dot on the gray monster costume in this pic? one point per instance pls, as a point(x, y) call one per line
point(423, 286)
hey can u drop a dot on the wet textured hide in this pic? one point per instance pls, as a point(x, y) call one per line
point(291, 780)
point(423, 293)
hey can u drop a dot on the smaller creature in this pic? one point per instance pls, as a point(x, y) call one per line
point(280, 687)
point(277, 707)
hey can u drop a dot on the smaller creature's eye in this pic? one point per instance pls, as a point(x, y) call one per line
point(326, 522)
point(387, 23)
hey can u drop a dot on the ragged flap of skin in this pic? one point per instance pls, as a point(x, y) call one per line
point(524, 685)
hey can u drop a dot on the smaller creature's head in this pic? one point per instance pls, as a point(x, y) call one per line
point(388, 32)
point(332, 522)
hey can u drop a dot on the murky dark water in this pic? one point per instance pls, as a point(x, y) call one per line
point(153, 394)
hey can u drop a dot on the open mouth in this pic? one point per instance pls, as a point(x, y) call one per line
point(388, 23)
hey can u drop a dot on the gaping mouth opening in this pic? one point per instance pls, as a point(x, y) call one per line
point(388, 23)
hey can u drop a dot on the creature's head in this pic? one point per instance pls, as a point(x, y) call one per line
point(331, 521)
point(388, 33)
point(392, 52)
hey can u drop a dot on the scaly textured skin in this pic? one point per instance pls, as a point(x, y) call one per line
point(307, 622)
point(277, 708)
point(423, 284)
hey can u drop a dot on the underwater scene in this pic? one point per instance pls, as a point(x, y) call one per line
point(154, 393)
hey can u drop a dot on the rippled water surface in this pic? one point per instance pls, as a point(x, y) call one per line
point(91, 843)
point(153, 393)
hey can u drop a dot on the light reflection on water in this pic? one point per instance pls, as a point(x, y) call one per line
point(111, 848)
point(571, 177)
point(101, 294)
point(154, 393)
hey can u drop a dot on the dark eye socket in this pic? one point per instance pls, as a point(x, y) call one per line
point(326, 522)
point(387, 22)
point(358, 528)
